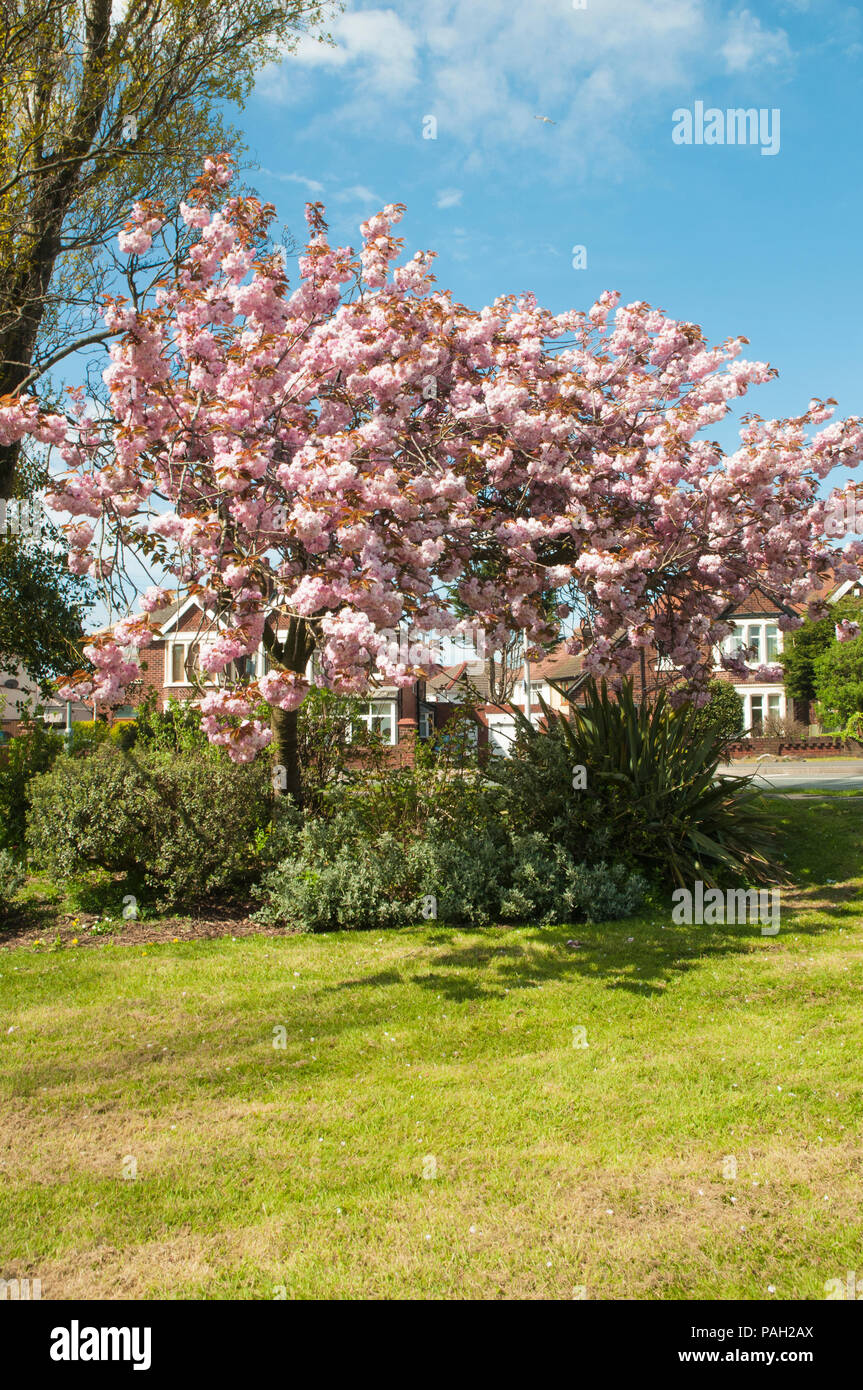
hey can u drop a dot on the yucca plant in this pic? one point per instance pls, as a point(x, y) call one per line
point(652, 793)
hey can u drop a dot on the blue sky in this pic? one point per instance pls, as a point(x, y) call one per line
point(723, 235)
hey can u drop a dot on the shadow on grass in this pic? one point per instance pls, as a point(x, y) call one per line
point(816, 847)
point(646, 965)
point(459, 972)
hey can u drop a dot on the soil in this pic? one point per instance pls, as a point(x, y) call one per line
point(39, 927)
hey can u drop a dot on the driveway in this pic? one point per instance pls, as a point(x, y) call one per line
point(813, 774)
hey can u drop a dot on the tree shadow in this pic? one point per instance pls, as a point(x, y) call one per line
point(383, 977)
point(646, 966)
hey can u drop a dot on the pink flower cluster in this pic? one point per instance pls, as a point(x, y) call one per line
point(227, 720)
point(146, 220)
point(285, 689)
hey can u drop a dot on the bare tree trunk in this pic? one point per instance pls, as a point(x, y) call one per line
point(16, 350)
point(283, 723)
point(290, 655)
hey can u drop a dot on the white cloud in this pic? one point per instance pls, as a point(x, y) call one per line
point(485, 68)
point(750, 46)
point(358, 193)
point(378, 45)
point(449, 198)
point(311, 184)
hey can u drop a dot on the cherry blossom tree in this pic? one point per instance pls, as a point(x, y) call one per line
point(319, 466)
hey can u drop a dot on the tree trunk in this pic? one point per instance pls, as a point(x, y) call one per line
point(290, 655)
point(288, 782)
point(43, 214)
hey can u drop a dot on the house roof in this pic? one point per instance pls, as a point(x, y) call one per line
point(558, 665)
point(444, 680)
point(757, 605)
point(160, 616)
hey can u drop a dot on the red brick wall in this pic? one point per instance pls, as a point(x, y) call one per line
point(153, 659)
point(813, 748)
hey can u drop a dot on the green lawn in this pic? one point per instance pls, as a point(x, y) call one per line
point(429, 1128)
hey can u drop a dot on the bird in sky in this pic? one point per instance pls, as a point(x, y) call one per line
point(547, 119)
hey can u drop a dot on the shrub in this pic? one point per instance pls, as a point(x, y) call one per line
point(854, 728)
point(335, 874)
point(464, 868)
point(802, 647)
point(331, 741)
point(176, 729)
point(181, 826)
point(437, 828)
point(722, 715)
point(838, 678)
point(789, 729)
point(12, 877)
point(828, 721)
point(123, 733)
point(32, 751)
point(652, 795)
point(87, 734)
point(444, 782)
point(548, 886)
point(333, 878)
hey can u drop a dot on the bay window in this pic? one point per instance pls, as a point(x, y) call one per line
point(772, 642)
point(754, 643)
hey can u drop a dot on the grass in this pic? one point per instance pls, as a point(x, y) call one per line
point(820, 793)
point(430, 1128)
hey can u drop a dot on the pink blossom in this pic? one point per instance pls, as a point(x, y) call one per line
point(338, 454)
point(283, 688)
point(154, 597)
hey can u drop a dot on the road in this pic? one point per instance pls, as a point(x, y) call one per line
point(821, 774)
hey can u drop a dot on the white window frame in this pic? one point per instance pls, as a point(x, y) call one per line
point(185, 641)
point(732, 643)
point(768, 659)
point(499, 723)
point(764, 693)
point(368, 716)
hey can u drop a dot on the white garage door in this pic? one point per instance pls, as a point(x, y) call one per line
point(501, 733)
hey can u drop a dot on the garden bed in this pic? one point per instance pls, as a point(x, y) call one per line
point(38, 926)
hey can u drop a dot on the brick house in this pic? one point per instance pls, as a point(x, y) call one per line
point(756, 624)
point(454, 685)
point(397, 714)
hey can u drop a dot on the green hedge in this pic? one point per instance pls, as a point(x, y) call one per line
point(179, 826)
